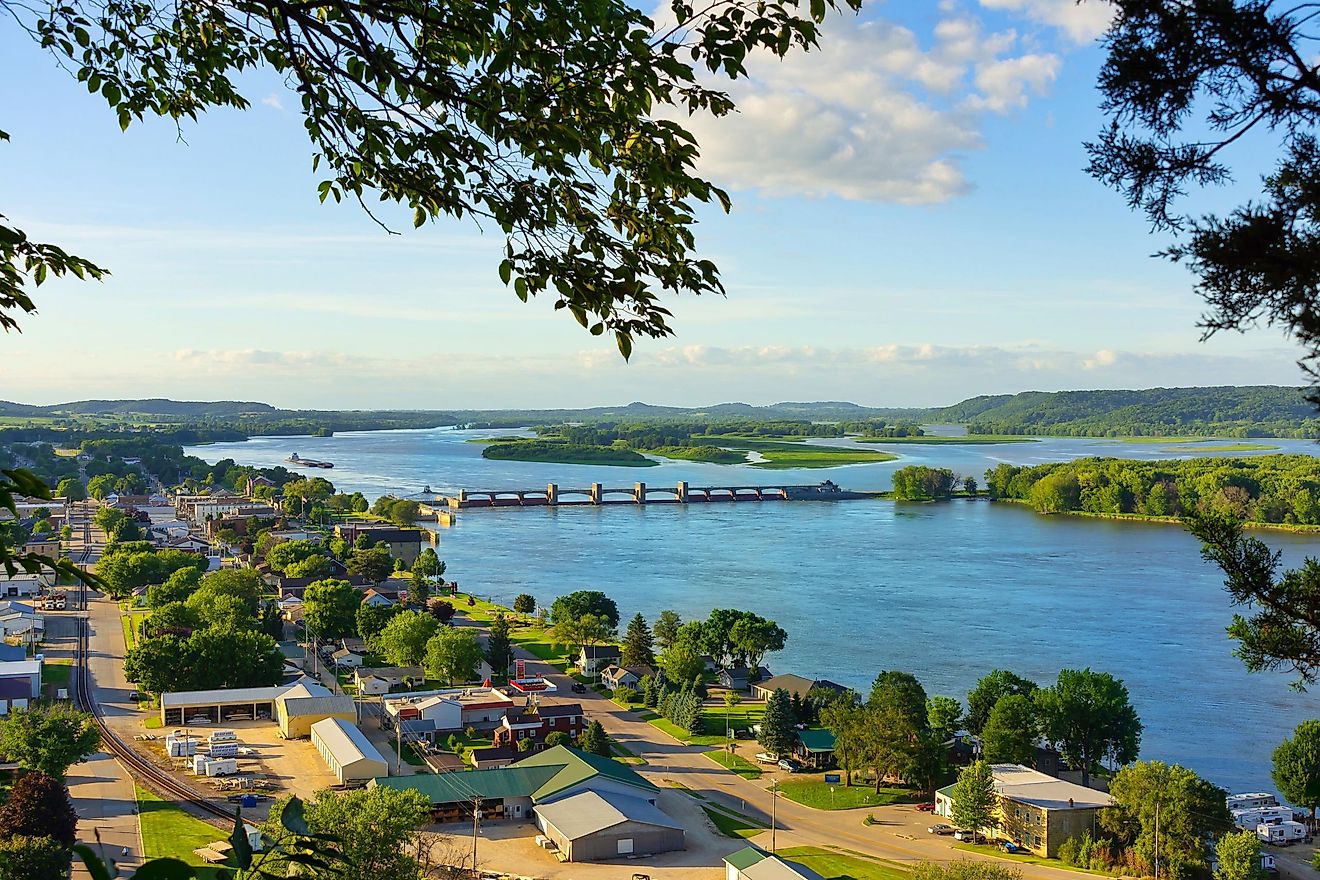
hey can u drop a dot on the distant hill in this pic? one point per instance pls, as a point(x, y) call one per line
point(158, 406)
point(1239, 411)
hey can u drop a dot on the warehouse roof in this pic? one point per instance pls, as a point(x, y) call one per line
point(589, 812)
point(304, 687)
point(346, 742)
point(330, 705)
point(1029, 786)
point(755, 864)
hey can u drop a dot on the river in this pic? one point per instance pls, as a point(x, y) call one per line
point(946, 591)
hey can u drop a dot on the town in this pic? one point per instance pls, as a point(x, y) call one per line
point(254, 642)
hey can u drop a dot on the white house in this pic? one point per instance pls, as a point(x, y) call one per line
point(347, 658)
point(377, 600)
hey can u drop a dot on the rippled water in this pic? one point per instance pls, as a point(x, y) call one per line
point(946, 591)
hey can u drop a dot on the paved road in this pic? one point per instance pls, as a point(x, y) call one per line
point(899, 834)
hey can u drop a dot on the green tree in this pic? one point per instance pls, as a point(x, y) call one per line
point(588, 629)
point(374, 563)
point(1009, 737)
point(33, 858)
point(371, 619)
point(176, 617)
point(994, 684)
point(310, 567)
point(637, 643)
point(943, 717)
point(1189, 809)
point(681, 661)
point(557, 738)
point(285, 553)
point(161, 664)
point(377, 829)
point(1088, 716)
point(524, 603)
point(452, 654)
point(107, 519)
point(39, 806)
point(499, 648)
point(902, 692)
point(427, 570)
point(752, 637)
point(582, 603)
point(102, 485)
point(848, 722)
point(1296, 768)
point(975, 804)
point(176, 588)
point(666, 629)
point(1238, 853)
point(48, 738)
point(921, 483)
point(778, 733)
point(595, 740)
point(71, 489)
point(233, 658)
point(404, 639)
point(1056, 493)
point(330, 608)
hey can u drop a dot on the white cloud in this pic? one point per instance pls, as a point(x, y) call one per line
point(1102, 358)
point(873, 114)
point(1082, 22)
point(273, 101)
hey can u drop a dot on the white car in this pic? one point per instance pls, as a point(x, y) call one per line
point(766, 758)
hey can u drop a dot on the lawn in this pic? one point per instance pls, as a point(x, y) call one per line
point(56, 672)
point(816, 794)
point(733, 824)
point(735, 763)
point(126, 620)
point(840, 866)
point(669, 727)
point(530, 637)
point(987, 849)
point(169, 832)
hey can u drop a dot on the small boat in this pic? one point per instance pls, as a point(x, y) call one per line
point(307, 462)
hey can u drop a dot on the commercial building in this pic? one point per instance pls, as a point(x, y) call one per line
point(294, 707)
point(588, 806)
point(25, 676)
point(1036, 811)
point(535, 723)
point(405, 544)
point(347, 751)
point(451, 709)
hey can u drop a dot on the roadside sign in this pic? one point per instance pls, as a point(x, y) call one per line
point(832, 778)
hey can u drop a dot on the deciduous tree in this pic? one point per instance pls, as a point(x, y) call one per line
point(1296, 768)
point(944, 717)
point(1088, 716)
point(330, 608)
point(403, 641)
point(994, 684)
point(1010, 735)
point(666, 629)
point(752, 637)
point(375, 829)
point(582, 603)
point(1190, 812)
point(33, 858)
point(39, 806)
point(1238, 853)
point(524, 603)
point(452, 654)
point(48, 738)
point(975, 803)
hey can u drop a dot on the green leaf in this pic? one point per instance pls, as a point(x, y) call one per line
point(239, 840)
point(506, 271)
point(625, 343)
point(292, 817)
point(165, 869)
point(92, 862)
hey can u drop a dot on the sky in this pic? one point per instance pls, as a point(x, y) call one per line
point(912, 225)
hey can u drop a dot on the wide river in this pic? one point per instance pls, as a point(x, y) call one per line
point(946, 591)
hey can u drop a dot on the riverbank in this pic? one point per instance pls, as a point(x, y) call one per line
point(1292, 528)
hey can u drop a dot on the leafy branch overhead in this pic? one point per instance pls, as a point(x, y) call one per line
point(1187, 82)
point(550, 120)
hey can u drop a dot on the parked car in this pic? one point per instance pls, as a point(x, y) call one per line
point(134, 695)
point(789, 764)
point(579, 687)
point(925, 808)
point(941, 828)
point(968, 836)
point(766, 758)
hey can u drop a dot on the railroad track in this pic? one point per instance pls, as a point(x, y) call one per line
point(142, 769)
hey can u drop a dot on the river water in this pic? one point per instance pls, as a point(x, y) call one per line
point(946, 591)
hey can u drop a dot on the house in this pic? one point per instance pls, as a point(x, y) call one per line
point(796, 685)
point(738, 678)
point(47, 546)
point(493, 758)
point(253, 483)
point(347, 658)
point(1036, 811)
point(535, 723)
point(377, 599)
point(405, 544)
point(814, 747)
point(296, 587)
point(615, 677)
point(386, 679)
point(751, 863)
point(594, 658)
point(588, 806)
point(451, 709)
point(25, 672)
point(347, 751)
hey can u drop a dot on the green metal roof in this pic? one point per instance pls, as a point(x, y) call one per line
point(947, 791)
point(538, 776)
point(745, 858)
point(817, 739)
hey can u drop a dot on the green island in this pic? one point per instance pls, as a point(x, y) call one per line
point(566, 453)
point(709, 454)
point(1223, 447)
point(967, 440)
point(785, 454)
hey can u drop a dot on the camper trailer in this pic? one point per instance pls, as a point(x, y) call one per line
point(1247, 820)
point(1252, 801)
point(222, 767)
point(1282, 834)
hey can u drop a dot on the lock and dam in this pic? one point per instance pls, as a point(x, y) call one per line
point(554, 495)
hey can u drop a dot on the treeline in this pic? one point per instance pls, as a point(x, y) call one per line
point(1250, 411)
point(1264, 489)
point(679, 432)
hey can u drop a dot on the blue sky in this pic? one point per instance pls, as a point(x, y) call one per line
point(911, 226)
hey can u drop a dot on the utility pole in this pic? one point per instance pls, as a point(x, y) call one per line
point(1157, 840)
point(476, 822)
point(774, 803)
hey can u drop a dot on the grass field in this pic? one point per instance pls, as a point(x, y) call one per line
point(834, 865)
point(169, 832)
point(966, 440)
point(732, 824)
point(987, 849)
point(816, 794)
point(56, 672)
point(735, 763)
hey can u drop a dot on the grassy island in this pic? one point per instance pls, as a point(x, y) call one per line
point(710, 454)
point(565, 453)
point(967, 440)
point(786, 454)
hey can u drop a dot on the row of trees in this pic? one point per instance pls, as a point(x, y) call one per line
point(1267, 489)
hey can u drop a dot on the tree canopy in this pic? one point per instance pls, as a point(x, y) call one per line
point(1190, 811)
point(48, 739)
point(1296, 769)
point(1088, 716)
point(584, 602)
point(995, 684)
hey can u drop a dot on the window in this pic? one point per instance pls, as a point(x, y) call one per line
point(625, 846)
